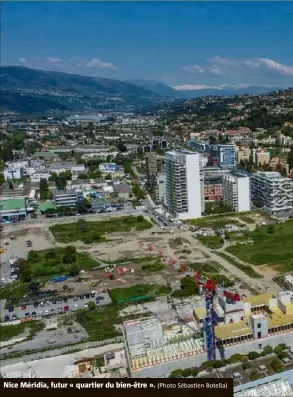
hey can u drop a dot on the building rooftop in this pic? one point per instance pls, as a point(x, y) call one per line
point(12, 204)
point(46, 206)
point(259, 300)
point(234, 330)
point(278, 318)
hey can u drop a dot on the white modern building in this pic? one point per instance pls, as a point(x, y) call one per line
point(272, 192)
point(13, 172)
point(65, 198)
point(236, 192)
point(41, 174)
point(160, 188)
point(184, 188)
point(62, 167)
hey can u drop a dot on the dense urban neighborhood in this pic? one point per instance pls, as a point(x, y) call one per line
point(155, 243)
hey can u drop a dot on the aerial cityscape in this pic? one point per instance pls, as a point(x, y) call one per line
point(146, 192)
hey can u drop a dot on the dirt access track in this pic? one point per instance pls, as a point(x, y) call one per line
point(180, 245)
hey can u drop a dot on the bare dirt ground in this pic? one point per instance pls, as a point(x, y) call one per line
point(125, 246)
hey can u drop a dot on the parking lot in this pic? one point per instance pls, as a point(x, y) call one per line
point(53, 306)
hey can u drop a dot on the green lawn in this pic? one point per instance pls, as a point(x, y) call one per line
point(246, 219)
point(153, 266)
point(16, 289)
point(215, 222)
point(210, 267)
point(94, 232)
point(57, 261)
point(272, 246)
point(119, 294)
point(247, 269)
point(100, 323)
point(211, 270)
point(213, 242)
point(8, 332)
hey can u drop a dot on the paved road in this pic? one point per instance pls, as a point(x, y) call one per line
point(46, 309)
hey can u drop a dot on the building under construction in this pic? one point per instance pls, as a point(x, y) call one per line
point(156, 347)
point(154, 165)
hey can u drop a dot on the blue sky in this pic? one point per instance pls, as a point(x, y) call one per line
point(188, 44)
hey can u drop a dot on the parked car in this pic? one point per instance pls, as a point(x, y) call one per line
point(59, 301)
point(14, 317)
point(75, 298)
point(48, 303)
point(66, 308)
point(60, 310)
point(76, 306)
point(34, 314)
point(11, 309)
point(86, 304)
point(54, 301)
point(42, 304)
point(27, 315)
point(81, 297)
point(40, 313)
point(7, 318)
point(46, 312)
point(53, 311)
point(36, 304)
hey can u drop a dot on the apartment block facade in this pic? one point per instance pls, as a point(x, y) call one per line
point(227, 156)
point(184, 187)
point(236, 192)
point(273, 193)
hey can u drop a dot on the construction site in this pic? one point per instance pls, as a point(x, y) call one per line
point(157, 346)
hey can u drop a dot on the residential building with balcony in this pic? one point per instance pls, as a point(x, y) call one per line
point(273, 193)
point(226, 155)
point(184, 188)
point(236, 192)
point(66, 198)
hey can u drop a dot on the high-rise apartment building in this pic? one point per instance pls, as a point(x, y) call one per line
point(226, 156)
point(184, 188)
point(236, 192)
point(272, 192)
point(154, 165)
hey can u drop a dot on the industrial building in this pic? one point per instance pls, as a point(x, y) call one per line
point(236, 192)
point(184, 186)
point(155, 347)
point(272, 193)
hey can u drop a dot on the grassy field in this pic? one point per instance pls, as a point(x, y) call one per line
point(94, 232)
point(246, 219)
point(214, 222)
point(100, 323)
point(211, 270)
point(8, 332)
point(13, 290)
point(273, 245)
point(154, 265)
point(119, 294)
point(57, 261)
point(213, 242)
point(247, 269)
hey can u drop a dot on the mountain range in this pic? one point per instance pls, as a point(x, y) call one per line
point(28, 90)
